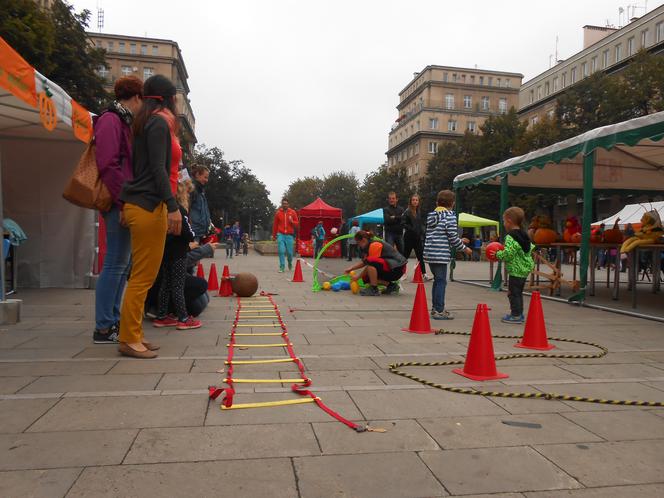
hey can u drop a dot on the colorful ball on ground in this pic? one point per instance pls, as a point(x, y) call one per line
point(345, 285)
point(244, 284)
point(354, 287)
point(491, 249)
point(336, 287)
point(327, 285)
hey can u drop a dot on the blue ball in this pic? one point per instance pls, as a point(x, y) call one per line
point(336, 287)
point(345, 285)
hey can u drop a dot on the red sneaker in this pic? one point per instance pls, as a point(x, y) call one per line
point(169, 321)
point(191, 323)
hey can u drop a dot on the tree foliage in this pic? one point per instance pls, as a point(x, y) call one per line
point(303, 191)
point(376, 186)
point(338, 189)
point(54, 41)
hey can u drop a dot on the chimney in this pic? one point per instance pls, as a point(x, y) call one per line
point(593, 34)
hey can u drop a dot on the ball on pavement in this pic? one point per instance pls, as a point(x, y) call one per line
point(492, 248)
point(244, 284)
point(354, 287)
point(336, 287)
point(327, 285)
point(345, 285)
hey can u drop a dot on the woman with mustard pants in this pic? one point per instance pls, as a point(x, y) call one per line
point(150, 210)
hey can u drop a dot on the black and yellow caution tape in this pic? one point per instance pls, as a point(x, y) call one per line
point(395, 369)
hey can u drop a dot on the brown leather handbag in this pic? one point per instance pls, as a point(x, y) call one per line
point(85, 188)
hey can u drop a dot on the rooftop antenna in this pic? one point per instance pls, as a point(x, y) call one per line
point(100, 16)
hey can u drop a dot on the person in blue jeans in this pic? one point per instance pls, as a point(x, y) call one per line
point(318, 234)
point(283, 231)
point(113, 139)
point(442, 235)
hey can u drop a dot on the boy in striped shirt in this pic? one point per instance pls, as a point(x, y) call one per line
point(441, 237)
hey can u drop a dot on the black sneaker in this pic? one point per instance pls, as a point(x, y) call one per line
point(110, 337)
point(370, 291)
point(392, 288)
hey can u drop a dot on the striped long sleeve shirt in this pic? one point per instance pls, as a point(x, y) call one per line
point(441, 236)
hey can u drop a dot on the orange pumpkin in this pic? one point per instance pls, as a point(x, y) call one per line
point(613, 235)
point(545, 236)
point(576, 238)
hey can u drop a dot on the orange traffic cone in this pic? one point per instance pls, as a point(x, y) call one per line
point(480, 361)
point(213, 280)
point(534, 335)
point(200, 273)
point(297, 274)
point(420, 322)
point(226, 289)
point(417, 276)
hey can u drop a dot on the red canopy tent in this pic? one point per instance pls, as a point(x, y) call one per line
point(309, 216)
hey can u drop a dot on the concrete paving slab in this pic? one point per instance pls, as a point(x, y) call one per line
point(123, 412)
point(222, 443)
point(211, 366)
point(52, 450)
point(41, 354)
point(37, 483)
point(190, 380)
point(105, 351)
point(309, 412)
point(496, 470)
point(386, 405)
point(221, 352)
point(48, 341)
point(366, 476)
point(44, 368)
point(16, 415)
point(506, 430)
point(12, 340)
point(331, 364)
point(268, 477)
point(352, 338)
point(604, 390)
point(607, 464)
point(642, 491)
point(11, 385)
point(616, 371)
point(339, 349)
point(621, 425)
point(401, 435)
point(153, 366)
point(85, 383)
point(384, 361)
point(341, 378)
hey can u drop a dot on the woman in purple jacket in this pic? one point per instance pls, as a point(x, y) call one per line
point(113, 138)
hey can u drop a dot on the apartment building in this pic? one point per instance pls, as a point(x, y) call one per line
point(144, 57)
point(440, 104)
point(606, 49)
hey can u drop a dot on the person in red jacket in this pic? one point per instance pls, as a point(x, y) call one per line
point(283, 231)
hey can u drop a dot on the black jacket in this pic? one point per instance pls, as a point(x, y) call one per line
point(151, 164)
point(392, 219)
point(413, 224)
point(177, 246)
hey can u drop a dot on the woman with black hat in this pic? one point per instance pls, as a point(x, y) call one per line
point(150, 210)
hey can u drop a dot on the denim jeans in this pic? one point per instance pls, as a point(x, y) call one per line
point(113, 277)
point(285, 248)
point(439, 271)
point(395, 239)
point(318, 245)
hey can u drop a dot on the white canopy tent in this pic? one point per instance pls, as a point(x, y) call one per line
point(35, 164)
point(632, 213)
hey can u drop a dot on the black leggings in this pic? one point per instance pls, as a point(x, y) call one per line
point(515, 287)
point(410, 242)
point(172, 273)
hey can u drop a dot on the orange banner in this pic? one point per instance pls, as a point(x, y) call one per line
point(16, 75)
point(81, 122)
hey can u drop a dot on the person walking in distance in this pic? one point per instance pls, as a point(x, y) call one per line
point(199, 212)
point(113, 139)
point(392, 222)
point(237, 236)
point(352, 243)
point(413, 225)
point(283, 231)
point(318, 236)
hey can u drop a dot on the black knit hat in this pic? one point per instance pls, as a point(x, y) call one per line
point(158, 86)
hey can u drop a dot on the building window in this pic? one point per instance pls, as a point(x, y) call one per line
point(584, 69)
point(110, 46)
point(532, 96)
point(126, 71)
point(573, 75)
point(490, 82)
point(467, 101)
point(463, 78)
point(444, 77)
point(147, 72)
point(497, 81)
point(502, 105)
point(605, 59)
point(563, 80)
point(659, 31)
point(121, 47)
point(472, 79)
point(433, 147)
point(132, 48)
point(644, 38)
point(630, 46)
point(485, 103)
point(472, 126)
point(451, 125)
point(539, 92)
point(449, 101)
point(508, 83)
point(155, 49)
point(102, 71)
point(534, 120)
point(481, 80)
point(144, 50)
point(417, 126)
point(417, 148)
point(555, 84)
point(433, 123)
point(454, 78)
point(547, 88)
point(550, 113)
point(618, 53)
point(593, 65)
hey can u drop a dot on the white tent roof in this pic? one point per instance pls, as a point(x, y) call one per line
point(632, 213)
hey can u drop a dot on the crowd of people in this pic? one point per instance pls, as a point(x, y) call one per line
point(159, 225)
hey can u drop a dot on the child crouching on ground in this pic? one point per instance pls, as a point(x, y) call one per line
point(518, 259)
point(174, 270)
point(442, 235)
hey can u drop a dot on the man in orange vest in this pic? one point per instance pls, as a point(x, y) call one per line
point(283, 230)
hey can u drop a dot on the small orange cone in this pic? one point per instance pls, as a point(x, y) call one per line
point(480, 361)
point(420, 322)
point(200, 273)
point(417, 276)
point(534, 334)
point(226, 289)
point(213, 280)
point(297, 274)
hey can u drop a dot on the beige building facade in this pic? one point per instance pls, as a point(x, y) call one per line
point(144, 57)
point(440, 104)
point(606, 49)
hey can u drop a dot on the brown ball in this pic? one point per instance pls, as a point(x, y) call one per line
point(244, 284)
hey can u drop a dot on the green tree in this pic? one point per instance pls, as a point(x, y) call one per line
point(376, 186)
point(304, 191)
point(643, 85)
point(340, 189)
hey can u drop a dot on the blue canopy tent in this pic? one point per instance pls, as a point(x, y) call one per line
point(375, 216)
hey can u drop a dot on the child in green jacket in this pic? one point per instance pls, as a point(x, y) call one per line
point(518, 259)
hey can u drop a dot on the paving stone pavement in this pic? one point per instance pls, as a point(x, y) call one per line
point(78, 420)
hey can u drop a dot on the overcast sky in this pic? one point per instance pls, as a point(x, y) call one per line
point(306, 87)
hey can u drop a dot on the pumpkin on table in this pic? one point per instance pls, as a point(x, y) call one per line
point(544, 234)
point(613, 235)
